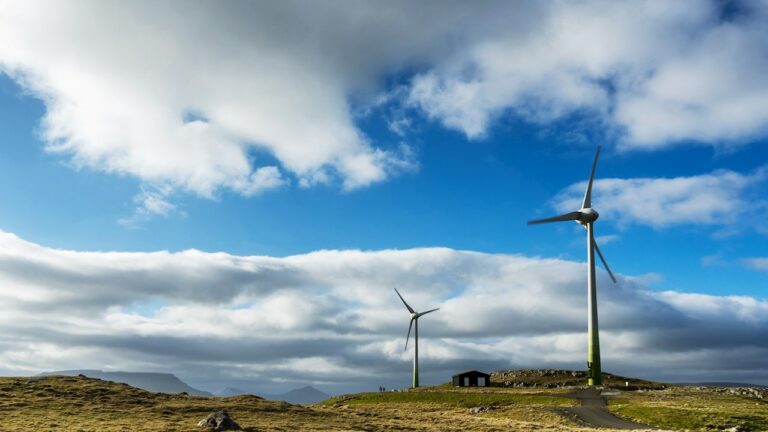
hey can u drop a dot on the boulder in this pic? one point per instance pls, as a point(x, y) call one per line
point(481, 409)
point(219, 421)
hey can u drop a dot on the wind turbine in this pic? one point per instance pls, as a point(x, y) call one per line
point(586, 216)
point(414, 318)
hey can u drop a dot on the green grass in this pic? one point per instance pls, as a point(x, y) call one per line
point(461, 399)
point(693, 409)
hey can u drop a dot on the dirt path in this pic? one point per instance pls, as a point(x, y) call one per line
point(594, 411)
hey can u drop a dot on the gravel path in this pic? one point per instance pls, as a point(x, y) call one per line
point(594, 411)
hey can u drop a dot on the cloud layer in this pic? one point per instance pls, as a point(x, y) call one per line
point(196, 98)
point(659, 73)
point(273, 323)
point(756, 263)
point(721, 198)
point(249, 96)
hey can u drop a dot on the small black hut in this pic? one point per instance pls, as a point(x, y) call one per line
point(472, 379)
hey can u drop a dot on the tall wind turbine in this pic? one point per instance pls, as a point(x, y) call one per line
point(586, 216)
point(414, 318)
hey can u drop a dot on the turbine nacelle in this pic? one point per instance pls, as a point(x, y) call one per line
point(414, 319)
point(584, 216)
point(587, 215)
point(414, 316)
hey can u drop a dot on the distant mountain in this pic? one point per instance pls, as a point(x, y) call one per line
point(721, 384)
point(232, 391)
point(150, 381)
point(304, 395)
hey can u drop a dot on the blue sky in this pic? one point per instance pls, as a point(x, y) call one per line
point(263, 147)
point(465, 194)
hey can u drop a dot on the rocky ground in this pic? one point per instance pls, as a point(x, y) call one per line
point(559, 378)
point(759, 393)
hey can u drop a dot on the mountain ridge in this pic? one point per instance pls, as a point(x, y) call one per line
point(151, 381)
point(720, 384)
point(303, 395)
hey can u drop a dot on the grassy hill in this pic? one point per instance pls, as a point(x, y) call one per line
point(79, 404)
point(557, 378)
point(695, 408)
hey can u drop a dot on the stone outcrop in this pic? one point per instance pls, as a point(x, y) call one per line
point(559, 378)
point(219, 421)
point(481, 409)
point(751, 392)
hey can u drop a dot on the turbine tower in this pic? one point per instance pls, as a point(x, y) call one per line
point(586, 216)
point(414, 318)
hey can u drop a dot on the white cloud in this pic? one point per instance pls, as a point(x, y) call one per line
point(659, 72)
point(715, 260)
point(719, 198)
point(271, 321)
point(739, 308)
point(150, 202)
point(756, 263)
point(240, 96)
point(155, 203)
point(261, 179)
point(606, 239)
point(188, 97)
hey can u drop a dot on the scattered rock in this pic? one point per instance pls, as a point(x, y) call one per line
point(219, 421)
point(481, 409)
point(35, 379)
point(751, 392)
point(559, 378)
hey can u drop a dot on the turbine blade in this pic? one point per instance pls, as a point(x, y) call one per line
point(410, 309)
point(572, 216)
point(429, 311)
point(587, 203)
point(409, 334)
point(605, 264)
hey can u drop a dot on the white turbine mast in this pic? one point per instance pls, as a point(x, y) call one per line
point(586, 216)
point(414, 319)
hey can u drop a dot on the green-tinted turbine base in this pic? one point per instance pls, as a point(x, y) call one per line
point(594, 371)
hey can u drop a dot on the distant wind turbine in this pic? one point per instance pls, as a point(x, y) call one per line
point(414, 318)
point(586, 216)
